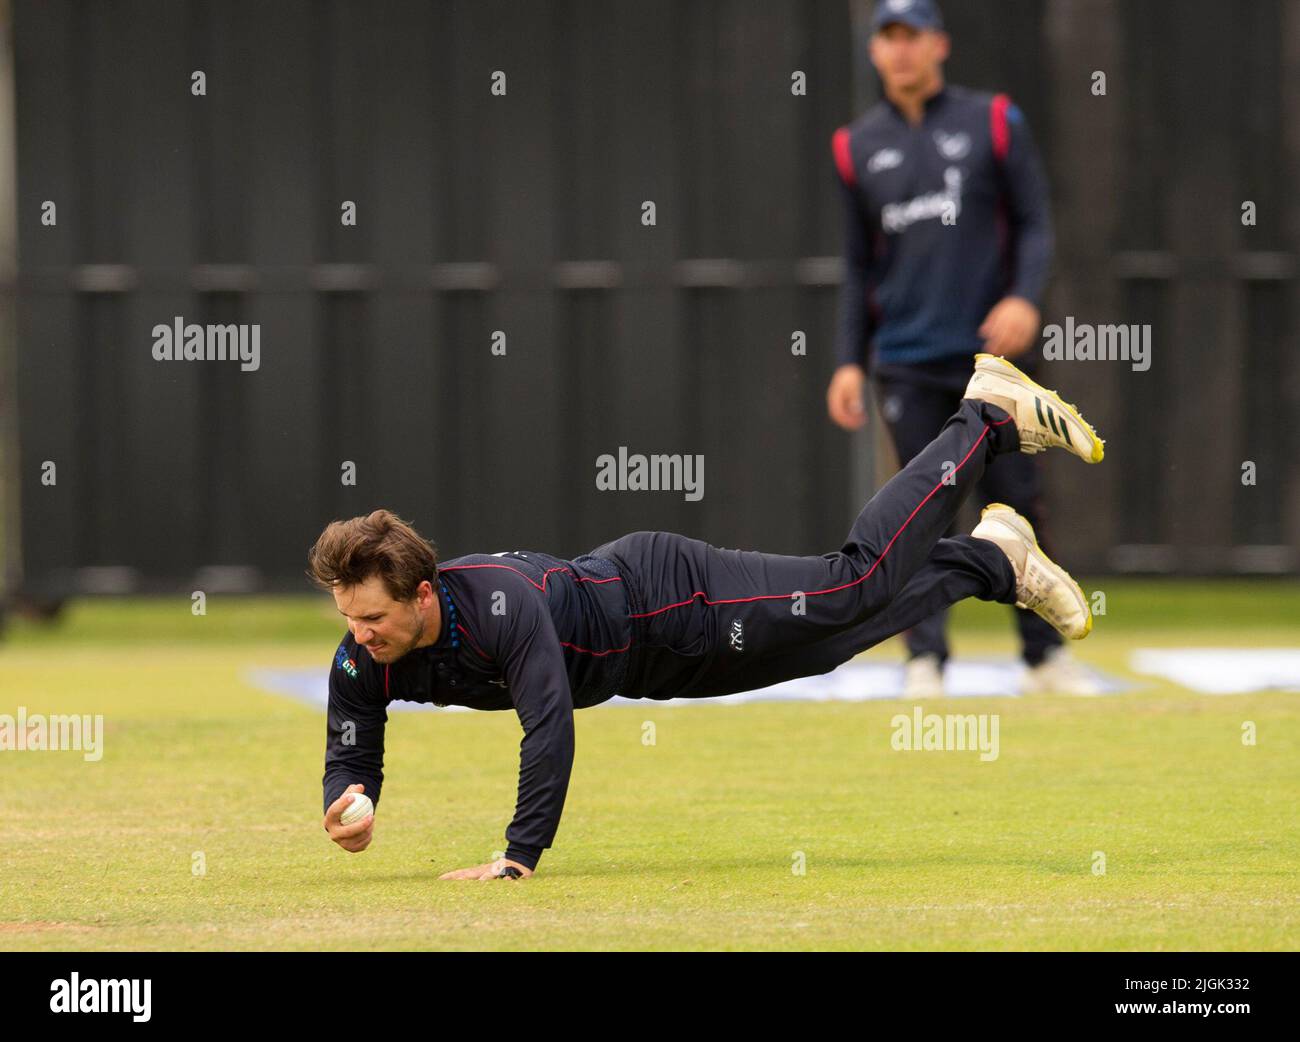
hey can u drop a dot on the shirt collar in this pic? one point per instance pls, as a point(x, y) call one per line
point(449, 637)
point(929, 105)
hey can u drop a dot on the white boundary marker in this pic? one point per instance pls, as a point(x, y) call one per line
point(857, 681)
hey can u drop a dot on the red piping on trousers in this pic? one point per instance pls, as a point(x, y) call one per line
point(587, 651)
point(834, 589)
point(700, 593)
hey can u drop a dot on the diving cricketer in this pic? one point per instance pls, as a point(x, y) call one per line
point(659, 615)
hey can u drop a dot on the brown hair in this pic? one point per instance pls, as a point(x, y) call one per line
point(381, 543)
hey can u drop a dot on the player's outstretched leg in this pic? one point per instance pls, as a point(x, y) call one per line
point(999, 561)
point(1042, 585)
point(1003, 410)
point(733, 607)
point(895, 531)
point(1043, 419)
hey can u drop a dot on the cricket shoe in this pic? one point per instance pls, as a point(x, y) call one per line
point(923, 677)
point(1060, 673)
point(1042, 586)
point(1041, 416)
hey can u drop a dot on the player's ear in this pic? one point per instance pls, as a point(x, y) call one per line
point(943, 46)
point(873, 51)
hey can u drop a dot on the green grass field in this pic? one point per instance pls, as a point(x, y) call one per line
point(689, 843)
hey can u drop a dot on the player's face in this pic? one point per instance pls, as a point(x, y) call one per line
point(386, 628)
point(907, 58)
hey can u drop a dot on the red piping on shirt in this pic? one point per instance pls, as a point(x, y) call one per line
point(542, 585)
point(844, 157)
point(472, 643)
point(998, 125)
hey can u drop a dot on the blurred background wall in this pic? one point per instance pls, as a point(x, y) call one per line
point(522, 213)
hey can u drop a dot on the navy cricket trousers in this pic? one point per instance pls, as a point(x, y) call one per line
point(708, 621)
point(915, 400)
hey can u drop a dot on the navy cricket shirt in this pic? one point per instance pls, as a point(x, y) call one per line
point(521, 630)
point(917, 286)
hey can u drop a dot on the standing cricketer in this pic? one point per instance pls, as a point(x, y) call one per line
point(947, 244)
point(660, 615)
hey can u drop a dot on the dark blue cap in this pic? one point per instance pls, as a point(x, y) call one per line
point(919, 14)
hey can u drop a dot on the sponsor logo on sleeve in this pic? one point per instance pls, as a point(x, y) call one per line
point(345, 663)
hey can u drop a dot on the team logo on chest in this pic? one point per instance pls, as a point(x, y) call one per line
point(952, 146)
point(737, 635)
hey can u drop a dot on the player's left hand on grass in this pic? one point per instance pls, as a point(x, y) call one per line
point(1009, 329)
point(492, 870)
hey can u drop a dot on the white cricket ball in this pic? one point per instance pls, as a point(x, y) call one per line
point(357, 809)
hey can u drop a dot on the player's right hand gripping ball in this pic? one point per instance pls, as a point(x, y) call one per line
point(357, 809)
